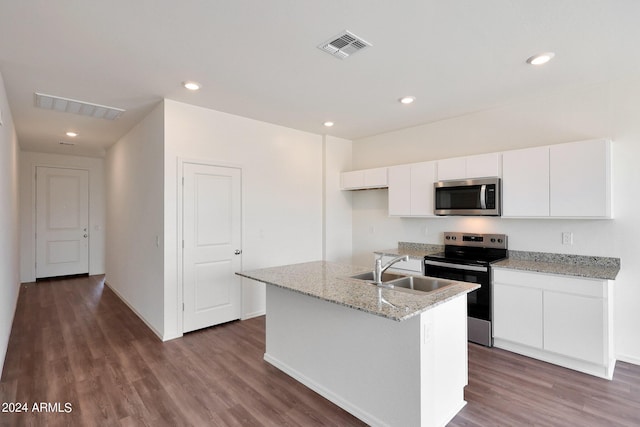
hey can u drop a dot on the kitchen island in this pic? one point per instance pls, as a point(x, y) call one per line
point(389, 357)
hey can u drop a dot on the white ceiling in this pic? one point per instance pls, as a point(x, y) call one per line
point(259, 59)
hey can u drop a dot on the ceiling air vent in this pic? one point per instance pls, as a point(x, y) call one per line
point(66, 105)
point(344, 45)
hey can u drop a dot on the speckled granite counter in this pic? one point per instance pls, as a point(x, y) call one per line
point(571, 265)
point(592, 267)
point(414, 250)
point(331, 282)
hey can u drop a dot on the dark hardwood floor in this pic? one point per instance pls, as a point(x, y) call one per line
point(74, 342)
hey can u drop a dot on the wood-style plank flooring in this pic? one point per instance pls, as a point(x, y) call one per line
point(73, 341)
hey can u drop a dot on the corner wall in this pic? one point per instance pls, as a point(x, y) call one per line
point(9, 223)
point(134, 171)
point(337, 215)
point(605, 110)
point(282, 200)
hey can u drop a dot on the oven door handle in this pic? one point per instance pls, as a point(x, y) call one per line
point(456, 266)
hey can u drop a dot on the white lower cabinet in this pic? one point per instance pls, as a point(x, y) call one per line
point(559, 319)
point(517, 314)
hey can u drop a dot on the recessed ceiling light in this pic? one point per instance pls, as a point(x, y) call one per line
point(191, 85)
point(541, 58)
point(328, 124)
point(407, 100)
point(72, 134)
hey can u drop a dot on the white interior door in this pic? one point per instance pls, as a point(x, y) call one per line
point(62, 222)
point(212, 237)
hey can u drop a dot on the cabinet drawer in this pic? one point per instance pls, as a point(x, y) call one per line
point(553, 282)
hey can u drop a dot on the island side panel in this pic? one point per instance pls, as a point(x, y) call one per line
point(444, 361)
point(379, 370)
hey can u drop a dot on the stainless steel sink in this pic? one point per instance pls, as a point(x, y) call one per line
point(419, 283)
point(386, 277)
point(406, 283)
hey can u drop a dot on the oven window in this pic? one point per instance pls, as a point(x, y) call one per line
point(478, 301)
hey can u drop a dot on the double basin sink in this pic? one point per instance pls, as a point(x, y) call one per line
point(406, 283)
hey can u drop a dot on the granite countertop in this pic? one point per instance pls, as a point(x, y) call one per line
point(414, 250)
point(331, 282)
point(569, 265)
point(592, 267)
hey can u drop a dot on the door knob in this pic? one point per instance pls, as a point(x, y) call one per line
point(85, 236)
point(237, 252)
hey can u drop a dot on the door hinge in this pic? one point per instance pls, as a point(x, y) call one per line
point(183, 244)
point(183, 180)
point(182, 306)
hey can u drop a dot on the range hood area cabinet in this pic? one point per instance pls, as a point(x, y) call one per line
point(411, 190)
point(478, 166)
point(571, 180)
point(365, 179)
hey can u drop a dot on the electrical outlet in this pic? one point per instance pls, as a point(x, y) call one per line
point(567, 238)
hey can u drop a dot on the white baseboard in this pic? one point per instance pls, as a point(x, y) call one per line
point(324, 392)
point(629, 359)
point(123, 299)
point(247, 316)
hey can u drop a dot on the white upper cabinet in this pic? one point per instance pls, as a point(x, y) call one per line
point(580, 174)
point(364, 179)
point(455, 168)
point(525, 182)
point(411, 189)
point(483, 165)
point(400, 190)
point(570, 180)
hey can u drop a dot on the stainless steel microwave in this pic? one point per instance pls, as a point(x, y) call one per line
point(480, 196)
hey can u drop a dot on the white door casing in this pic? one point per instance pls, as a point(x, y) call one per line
point(211, 227)
point(62, 222)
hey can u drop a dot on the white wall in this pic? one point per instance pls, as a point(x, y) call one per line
point(282, 181)
point(337, 217)
point(9, 223)
point(134, 171)
point(610, 109)
point(95, 166)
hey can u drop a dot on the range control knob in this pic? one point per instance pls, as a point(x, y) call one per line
point(493, 240)
point(448, 237)
point(499, 240)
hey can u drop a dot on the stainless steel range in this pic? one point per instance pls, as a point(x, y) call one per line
point(467, 257)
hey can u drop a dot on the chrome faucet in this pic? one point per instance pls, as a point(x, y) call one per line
point(377, 273)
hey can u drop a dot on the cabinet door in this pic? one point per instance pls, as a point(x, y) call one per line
point(517, 314)
point(525, 182)
point(574, 326)
point(483, 165)
point(580, 179)
point(375, 177)
point(423, 176)
point(400, 190)
point(353, 179)
point(455, 168)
